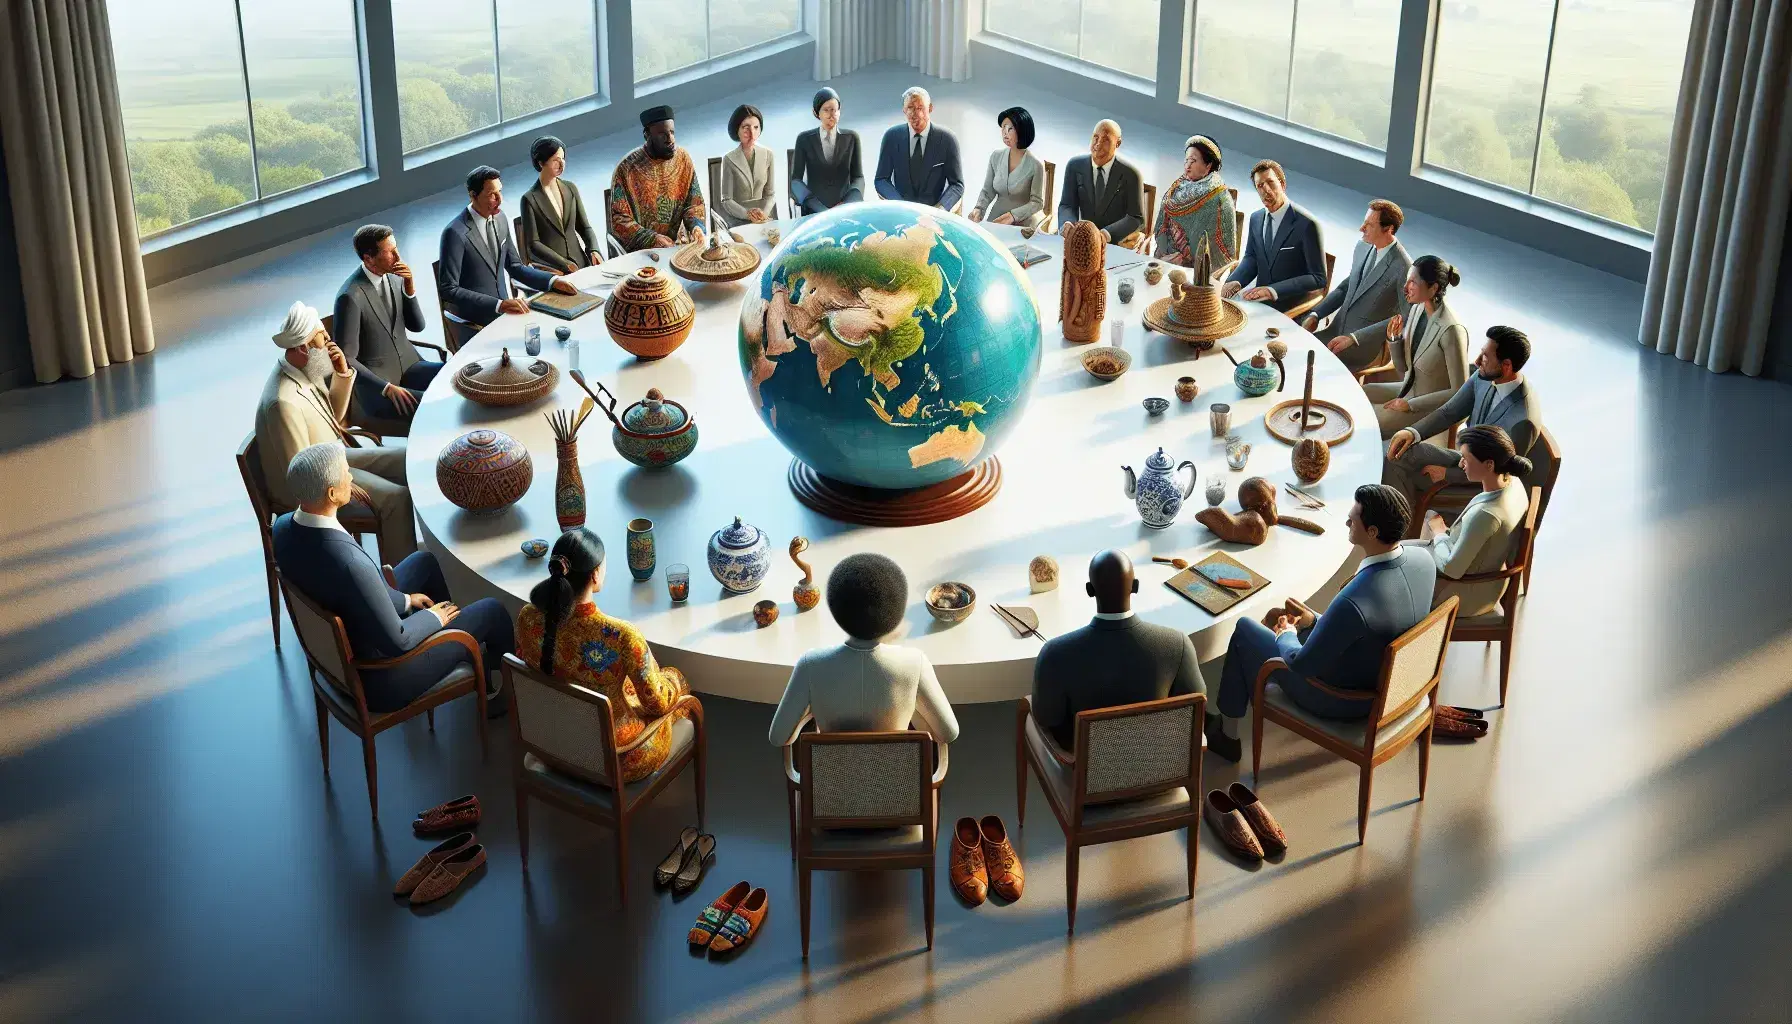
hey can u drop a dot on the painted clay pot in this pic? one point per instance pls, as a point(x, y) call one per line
point(649, 314)
point(739, 556)
point(1312, 457)
point(765, 613)
point(1125, 290)
point(1042, 574)
point(1256, 376)
point(654, 432)
point(1187, 388)
point(484, 471)
point(951, 602)
point(1154, 272)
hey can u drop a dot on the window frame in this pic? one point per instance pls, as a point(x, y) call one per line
point(1077, 58)
point(713, 62)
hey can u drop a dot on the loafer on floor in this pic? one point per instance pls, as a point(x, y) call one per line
point(1222, 815)
point(742, 924)
point(1458, 728)
point(1452, 711)
point(716, 914)
point(668, 868)
point(1006, 877)
point(427, 863)
point(1263, 824)
point(449, 874)
point(457, 815)
point(966, 871)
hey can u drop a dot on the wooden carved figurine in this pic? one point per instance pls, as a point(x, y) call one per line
point(806, 594)
point(1083, 291)
point(1312, 457)
point(1259, 495)
point(1244, 528)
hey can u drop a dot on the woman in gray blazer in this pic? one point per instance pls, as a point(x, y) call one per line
point(826, 169)
point(1014, 186)
point(747, 193)
point(1429, 345)
point(1481, 538)
point(557, 232)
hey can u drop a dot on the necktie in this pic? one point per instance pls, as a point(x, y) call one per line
point(917, 153)
point(1101, 182)
point(390, 292)
point(491, 232)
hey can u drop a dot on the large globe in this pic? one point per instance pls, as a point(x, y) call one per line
point(890, 345)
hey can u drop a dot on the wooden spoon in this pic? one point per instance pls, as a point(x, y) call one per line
point(1176, 563)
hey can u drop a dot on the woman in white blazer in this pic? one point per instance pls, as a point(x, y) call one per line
point(1480, 539)
point(1014, 186)
point(748, 192)
point(1429, 346)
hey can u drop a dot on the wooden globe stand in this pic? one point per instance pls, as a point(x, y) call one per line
point(871, 506)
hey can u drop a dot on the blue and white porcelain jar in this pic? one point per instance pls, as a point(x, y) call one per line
point(739, 556)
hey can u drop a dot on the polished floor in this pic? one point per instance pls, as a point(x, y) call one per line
point(1618, 849)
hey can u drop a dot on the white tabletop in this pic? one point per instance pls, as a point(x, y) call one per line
point(1062, 493)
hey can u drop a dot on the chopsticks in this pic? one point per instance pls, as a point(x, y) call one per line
point(1305, 500)
point(1013, 620)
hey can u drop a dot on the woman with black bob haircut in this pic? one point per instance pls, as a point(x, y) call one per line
point(557, 233)
point(746, 193)
point(1014, 185)
point(1428, 340)
point(561, 633)
point(1481, 537)
point(825, 166)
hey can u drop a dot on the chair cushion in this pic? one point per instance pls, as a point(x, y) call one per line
point(683, 735)
point(1495, 619)
point(1060, 779)
point(869, 841)
point(1350, 731)
point(345, 703)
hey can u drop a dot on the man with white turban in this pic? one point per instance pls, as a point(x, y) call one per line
point(305, 403)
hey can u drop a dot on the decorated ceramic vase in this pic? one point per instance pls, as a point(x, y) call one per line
point(484, 471)
point(654, 432)
point(1256, 376)
point(739, 556)
point(641, 557)
point(649, 314)
point(1156, 493)
point(569, 486)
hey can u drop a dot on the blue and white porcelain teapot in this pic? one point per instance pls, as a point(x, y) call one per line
point(1156, 494)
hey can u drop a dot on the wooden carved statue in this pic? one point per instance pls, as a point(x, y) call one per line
point(806, 594)
point(1083, 292)
point(1257, 497)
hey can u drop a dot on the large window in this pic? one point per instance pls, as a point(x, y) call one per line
point(673, 34)
point(1323, 64)
point(235, 100)
point(464, 65)
point(1569, 100)
point(1117, 34)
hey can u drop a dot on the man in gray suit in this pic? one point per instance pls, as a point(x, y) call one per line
point(1496, 396)
point(1104, 187)
point(376, 308)
point(1370, 295)
point(1116, 659)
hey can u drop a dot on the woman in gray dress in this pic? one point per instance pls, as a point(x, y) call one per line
point(747, 195)
point(557, 233)
point(1014, 186)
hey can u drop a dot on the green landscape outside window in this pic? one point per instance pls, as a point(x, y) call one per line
point(1116, 34)
point(670, 35)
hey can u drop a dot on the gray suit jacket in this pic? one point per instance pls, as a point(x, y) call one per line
point(1434, 366)
point(1119, 210)
point(1108, 663)
point(1364, 306)
point(827, 181)
point(375, 339)
point(1475, 405)
point(556, 240)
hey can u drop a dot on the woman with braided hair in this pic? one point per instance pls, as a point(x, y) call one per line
point(562, 634)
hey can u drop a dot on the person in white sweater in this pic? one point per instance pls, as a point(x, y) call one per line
point(1479, 539)
point(864, 685)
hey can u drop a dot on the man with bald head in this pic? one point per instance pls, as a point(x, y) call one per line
point(1116, 659)
point(1105, 188)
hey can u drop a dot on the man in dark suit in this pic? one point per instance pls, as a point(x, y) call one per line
point(1284, 254)
point(1333, 658)
point(1496, 396)
point(1360, 306)
point(919, 160)
point(316, 555)
point(376, 308)
point(1116, 659)
point(1103, 187)
point(479, 258)
point(828, 169)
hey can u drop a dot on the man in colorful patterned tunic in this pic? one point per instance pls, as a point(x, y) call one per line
point(655, 200)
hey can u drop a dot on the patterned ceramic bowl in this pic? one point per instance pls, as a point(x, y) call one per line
point(951, 602)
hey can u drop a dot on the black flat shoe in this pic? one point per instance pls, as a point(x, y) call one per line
point(668, 868)
point(696, 862)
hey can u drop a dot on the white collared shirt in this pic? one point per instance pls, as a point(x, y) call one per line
point(489, 227)
point(1374, 257)
point(552, 189)
point(1275, 219)
point(1500, 391)
point(922, 135)
point(315, 521)
point(1115, 616)
point(384, 284)
point(829, 138)
point(1385, 556)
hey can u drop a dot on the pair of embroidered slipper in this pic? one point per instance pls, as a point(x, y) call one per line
point(441, 870)
point(685, 864)
point(731, 921)
point(1454, 723)
point(458, 815)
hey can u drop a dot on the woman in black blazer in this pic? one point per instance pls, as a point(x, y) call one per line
point(556, 230)
point(821, 180)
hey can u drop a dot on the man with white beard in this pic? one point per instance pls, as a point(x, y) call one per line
point(305, 403)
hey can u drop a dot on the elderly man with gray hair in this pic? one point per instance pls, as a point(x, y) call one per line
point(316, 555)
point(306, 402)
point(918, 161)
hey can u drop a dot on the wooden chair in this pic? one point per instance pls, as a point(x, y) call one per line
point(340, 692)
point(567, 756)
point(1135, 771)
point(1498, 626)
point(261, 500)
point(1448, 498)
point(1306, 307)
point(1143, 245)
point(1050, 224)
point(795, 209)
point(615, 244)
point(441, 353)
point(866, 801)
point(1383, 369)
point(455, 330)
point(1400, 708)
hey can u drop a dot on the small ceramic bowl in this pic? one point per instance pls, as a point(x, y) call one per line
point(1105, 362)
point(563, 332)
point(765, 613)
point(1187, 388)
point(535, 548)
point(1156, 406)
point(1272, 332)
point(951, 602)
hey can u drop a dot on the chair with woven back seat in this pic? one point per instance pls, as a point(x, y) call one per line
point(615, 244)
point(1135, 770)
point(567, 756)
point(340, 692)
point(1302, 309)
point(1448, 499)
point(456, 331)
point(866, 801)
point(261, 501)
point(1499, 625)
point(1400, 708)
point(1144, 245)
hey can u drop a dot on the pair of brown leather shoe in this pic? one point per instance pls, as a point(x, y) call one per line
point(983, 859)
point(1454, 723)
point(457, 815)
point(1243, 823)
point(441, 870)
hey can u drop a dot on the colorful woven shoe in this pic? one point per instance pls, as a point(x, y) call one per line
point(716, 914)
point(966, 872)
point(1005, 874)
point(448, 875)
point(1263, 824)
point(427, 864)
point(454, 816)
point(741, 925)
point(1228, 824)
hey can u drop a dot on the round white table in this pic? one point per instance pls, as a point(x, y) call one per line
point(1062, 492)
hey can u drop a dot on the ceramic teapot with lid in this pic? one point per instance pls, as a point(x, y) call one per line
point(1155, 494)
point(739, 556)
point(653, 433)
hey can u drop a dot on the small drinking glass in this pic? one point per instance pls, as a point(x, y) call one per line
point(1216, 490)
point(532, 339)
point(678, 582)
point(1237, 455)
point(1220, 418)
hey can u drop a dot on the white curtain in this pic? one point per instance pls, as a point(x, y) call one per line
point(933, 35)
point(1712, 279)
point(939, 36)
